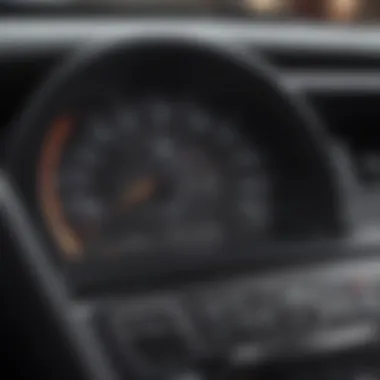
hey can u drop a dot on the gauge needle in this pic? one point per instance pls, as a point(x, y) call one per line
point(137, 192)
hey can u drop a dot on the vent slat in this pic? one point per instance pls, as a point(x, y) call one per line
point(321, 60)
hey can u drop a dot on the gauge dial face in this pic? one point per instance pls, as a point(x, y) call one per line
point(153, 176)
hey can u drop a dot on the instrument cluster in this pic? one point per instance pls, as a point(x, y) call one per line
point(154, 175)
point(174, 150)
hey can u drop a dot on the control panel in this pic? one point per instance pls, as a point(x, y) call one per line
point(243, 322)
point(156, 335)
point(289, 316)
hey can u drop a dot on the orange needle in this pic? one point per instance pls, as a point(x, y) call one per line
point(139, 191)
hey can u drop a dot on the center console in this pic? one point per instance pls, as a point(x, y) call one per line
point(242, 324)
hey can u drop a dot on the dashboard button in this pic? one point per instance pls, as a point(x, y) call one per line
point(155, 337)
point(158, 340)
point(241, 315)
point(297, 320)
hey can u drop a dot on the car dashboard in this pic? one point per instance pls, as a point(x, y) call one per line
point(191, 198)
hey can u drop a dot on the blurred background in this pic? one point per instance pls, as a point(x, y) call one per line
point(331, 10)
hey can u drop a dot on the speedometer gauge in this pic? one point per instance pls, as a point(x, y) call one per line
point(155, 175)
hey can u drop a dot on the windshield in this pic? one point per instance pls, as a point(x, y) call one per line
point(333, 10)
